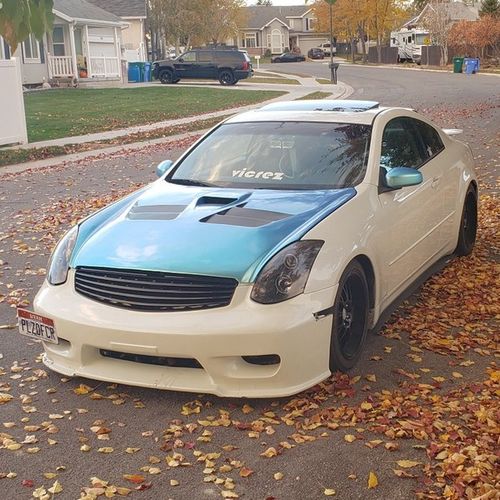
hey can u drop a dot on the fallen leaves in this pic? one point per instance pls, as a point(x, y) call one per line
point(372, 480)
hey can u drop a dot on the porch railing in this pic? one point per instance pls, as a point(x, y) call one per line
point(105, 66)
point(61, 66)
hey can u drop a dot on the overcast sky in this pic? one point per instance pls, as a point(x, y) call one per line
point(280, 2)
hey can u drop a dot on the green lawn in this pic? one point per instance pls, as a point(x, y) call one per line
point(314, 95)
point(51, 114)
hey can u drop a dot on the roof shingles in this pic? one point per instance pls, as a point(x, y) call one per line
point(80, 9)
point(259, 15)
point(123, 8)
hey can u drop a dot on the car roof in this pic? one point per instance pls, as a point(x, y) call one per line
point(341, 111)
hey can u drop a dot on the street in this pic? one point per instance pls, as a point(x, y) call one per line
point(324, 439)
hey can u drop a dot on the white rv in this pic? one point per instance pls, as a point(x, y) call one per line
point(409, 43)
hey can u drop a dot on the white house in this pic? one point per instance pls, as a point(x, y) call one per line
point(84, 45)
point(278, 29)
point(133, 12)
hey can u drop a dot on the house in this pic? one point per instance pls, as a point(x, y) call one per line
point(278, 29)
point(133, 12)
point(452, 11)
point(84, 45)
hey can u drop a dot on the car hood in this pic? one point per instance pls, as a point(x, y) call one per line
point(198, 230)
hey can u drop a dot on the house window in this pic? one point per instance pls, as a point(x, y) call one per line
point(58, 48)
point(249, 40)
point(309, 24)
point(31, 50)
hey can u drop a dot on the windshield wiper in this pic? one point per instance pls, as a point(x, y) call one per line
point(191, 182)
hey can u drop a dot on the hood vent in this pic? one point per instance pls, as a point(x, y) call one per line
point(155, 212)
point(245, 217)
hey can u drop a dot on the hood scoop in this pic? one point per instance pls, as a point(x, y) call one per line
point(245, 217)
point(155, 212)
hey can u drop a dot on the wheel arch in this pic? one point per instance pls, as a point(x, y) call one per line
point(369, 271)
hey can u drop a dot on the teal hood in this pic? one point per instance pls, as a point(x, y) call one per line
point(199, 230)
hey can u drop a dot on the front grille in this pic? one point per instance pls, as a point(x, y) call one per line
point(152, 360)
point(152, 290)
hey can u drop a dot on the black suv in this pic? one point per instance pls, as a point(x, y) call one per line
point(227, 66)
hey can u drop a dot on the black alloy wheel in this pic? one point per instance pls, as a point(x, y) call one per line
point(167, 76)
point(226, 77)
point(350, 318)
point(468, 224)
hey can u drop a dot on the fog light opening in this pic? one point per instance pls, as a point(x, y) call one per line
point(264, 359)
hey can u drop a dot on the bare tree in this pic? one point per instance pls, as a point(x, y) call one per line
point(438, 21)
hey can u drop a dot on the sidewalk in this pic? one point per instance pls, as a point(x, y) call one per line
point(307, 85)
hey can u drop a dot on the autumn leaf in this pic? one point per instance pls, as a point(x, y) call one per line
point(372, 480)
point(406, 464)
point(245, 472)
point(134, 478)
point(349, 438)
point(278, 476)
point(329, 492)
point(82, 389)
point(269, 453)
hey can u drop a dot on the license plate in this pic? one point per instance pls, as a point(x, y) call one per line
point(36, 326)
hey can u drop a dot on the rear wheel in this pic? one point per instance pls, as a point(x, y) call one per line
point(226, 77)
point(468, 224)
point(350, 318)
point(167, 76)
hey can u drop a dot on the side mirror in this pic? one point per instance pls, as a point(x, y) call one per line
point(180, 59)
point(163, 167)
point(399, 177)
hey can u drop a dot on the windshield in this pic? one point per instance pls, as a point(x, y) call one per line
point(420, 39)
point(278, 155)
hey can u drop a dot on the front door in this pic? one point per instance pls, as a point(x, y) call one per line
point(411, 215)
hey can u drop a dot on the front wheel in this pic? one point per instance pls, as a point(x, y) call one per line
point(166, 76)
point(226, 77)
point(468, 224)
point(350, 318)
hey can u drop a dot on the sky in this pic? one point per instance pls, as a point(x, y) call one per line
point(280, 2)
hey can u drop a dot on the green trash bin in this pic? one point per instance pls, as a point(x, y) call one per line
point(458, 63)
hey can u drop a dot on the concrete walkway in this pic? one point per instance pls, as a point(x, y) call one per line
point(307, 85)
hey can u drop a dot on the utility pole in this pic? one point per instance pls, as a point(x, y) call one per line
point(333, 66)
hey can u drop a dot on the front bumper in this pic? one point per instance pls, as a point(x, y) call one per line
point(216, 338)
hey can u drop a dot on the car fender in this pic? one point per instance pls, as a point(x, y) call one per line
point(347, 234)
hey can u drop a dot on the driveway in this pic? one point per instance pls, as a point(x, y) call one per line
point(417, 410)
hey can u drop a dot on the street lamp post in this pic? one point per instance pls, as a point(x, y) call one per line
point(333, 69)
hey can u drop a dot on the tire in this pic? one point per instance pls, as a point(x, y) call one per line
point(166, 76)
point(350, 318)
point(468, 224)
point(226, 77)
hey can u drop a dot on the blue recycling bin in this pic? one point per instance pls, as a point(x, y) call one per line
point(471, 65)
point(134, 72)
point(147, 71)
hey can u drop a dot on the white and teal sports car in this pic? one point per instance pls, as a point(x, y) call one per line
point(257, 263)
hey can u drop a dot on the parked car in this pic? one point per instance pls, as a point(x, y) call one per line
point(227, 66)
point(315, 53)
point(288, 57)
point(325, 47)
point(258, 261)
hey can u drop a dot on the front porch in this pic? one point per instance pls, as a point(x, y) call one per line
point(83, 52)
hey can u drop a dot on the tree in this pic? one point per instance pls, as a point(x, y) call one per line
point(476, 38)
point(19, 18)
point(438, 21)
point(490, 7)
point(264, 2)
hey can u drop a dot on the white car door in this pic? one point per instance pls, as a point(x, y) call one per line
point(409, 219)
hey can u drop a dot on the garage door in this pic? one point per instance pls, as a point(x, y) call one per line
point(308, 43)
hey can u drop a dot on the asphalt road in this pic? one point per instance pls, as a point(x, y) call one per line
point(35, 207)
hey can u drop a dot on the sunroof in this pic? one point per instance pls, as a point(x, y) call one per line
point(350, 106)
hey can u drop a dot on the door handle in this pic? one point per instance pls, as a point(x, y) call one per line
point(435, 182)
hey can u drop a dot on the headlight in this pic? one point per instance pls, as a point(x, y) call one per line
point(59, 261)
point(285, 275)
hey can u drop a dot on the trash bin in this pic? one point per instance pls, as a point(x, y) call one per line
point(458, 63)
point(471, 65)
point(134, 72)
point(147, 72)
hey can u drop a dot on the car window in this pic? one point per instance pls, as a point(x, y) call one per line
point(227, 57)
point(401, 145)
point(189, 57)
point(280, 155)
point(431, 140)
point(205, 56)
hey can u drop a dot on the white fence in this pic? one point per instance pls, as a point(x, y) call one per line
point(105, 66)
point(12, 117)
point(61, 66)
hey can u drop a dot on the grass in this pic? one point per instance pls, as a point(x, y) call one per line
point(323, 81)
point(56, 113)
point(283, 81)
point(14, 156)
point(315, 95)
